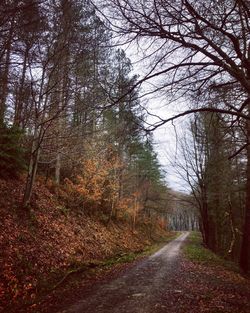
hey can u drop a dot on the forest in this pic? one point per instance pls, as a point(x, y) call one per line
point(67, 126)
point(77, 152)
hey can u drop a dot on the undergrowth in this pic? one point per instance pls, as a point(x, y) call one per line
point(131, 256)
point(196, 252)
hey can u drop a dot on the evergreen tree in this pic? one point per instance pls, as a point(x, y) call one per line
point(12, 153)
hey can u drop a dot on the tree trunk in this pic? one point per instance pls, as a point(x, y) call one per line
point(245, 247)
point(58, 168)
point(205, 223)
point(232, 226)
point(19, 96)
point(5, 74)
point(134, 215)
point(34, 158)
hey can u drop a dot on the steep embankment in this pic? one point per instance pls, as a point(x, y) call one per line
point(38, 247)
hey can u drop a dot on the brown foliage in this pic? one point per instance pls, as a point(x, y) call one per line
point(38, 246)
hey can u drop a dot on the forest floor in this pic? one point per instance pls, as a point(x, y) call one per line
point(55, 258)
point(180, 278)
point(47, 246)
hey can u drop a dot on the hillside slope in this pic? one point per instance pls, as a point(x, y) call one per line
point(38, 246)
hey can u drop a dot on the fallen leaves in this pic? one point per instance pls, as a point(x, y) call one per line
point(212, 289)
point(42, 245)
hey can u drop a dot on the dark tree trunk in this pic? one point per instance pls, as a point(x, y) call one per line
point(4, 78)
point(205, 224)
point(245, 247)
point(34, 158)
point(19, 97)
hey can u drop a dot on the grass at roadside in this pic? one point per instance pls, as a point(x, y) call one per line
point(196, 252)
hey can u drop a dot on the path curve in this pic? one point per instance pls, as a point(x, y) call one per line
point(138, 290)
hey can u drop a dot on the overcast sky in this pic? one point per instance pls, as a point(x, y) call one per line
point(166, 145)
point(166, 136)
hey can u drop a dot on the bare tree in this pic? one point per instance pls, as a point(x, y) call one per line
point(203, 161)
point(196, 46)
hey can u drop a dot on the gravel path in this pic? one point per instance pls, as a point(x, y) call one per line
point(140, 289)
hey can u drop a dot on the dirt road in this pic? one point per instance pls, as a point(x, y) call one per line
point(142, 289)
point(165, 282)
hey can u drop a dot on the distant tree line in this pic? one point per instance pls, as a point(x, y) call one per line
point(183, 213)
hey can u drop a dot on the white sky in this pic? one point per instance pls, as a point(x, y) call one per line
point(166, 143)
point(166, 136)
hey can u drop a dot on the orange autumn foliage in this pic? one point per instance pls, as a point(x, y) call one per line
point(97, 184)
